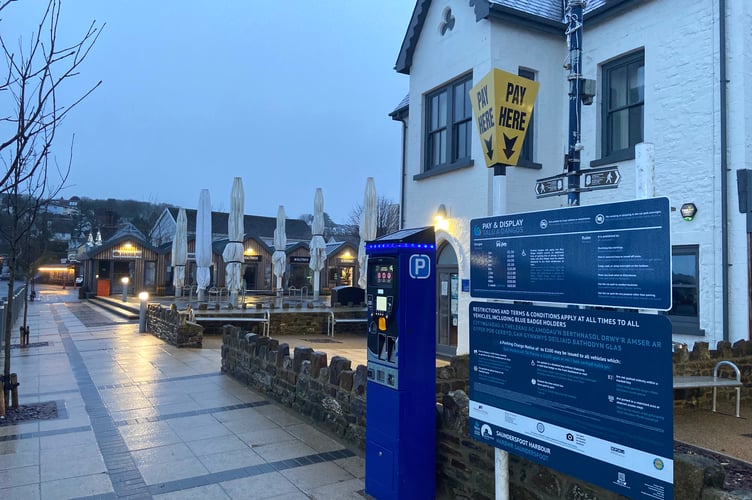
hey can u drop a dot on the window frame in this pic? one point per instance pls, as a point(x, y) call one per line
point(607, 112)
point(527, 154)
point(686, 324)
point(449, 156)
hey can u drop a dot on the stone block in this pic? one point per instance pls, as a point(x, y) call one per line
point(360, 380)
point(696, 472)
point(318, 361)
point(346, 379)
point(337, 366)
point(301, 354)
point(283, 352)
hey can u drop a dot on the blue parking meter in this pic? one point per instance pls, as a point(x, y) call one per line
point(401, 401)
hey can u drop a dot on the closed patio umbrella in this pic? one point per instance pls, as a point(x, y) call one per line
point(367, 227)
point(279, 257)
point(179, 252)
point(318, 245)
point(233, 252)
point(203, 243)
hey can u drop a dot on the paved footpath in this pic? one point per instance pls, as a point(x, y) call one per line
point(138, 418)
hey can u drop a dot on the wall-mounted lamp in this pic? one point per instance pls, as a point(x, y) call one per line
point(440, 218)
point(688, 211)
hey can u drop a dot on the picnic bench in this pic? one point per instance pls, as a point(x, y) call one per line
point(264, 319)
point(699, 382)
point(333, 320)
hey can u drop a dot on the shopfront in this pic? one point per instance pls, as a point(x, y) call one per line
point(125, 264)
point(300, 275)
point(342, 265)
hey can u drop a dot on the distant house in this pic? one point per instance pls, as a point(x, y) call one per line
point(64, 207)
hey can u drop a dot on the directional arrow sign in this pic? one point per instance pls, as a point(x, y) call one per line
point(502, 106)
point(551, 186)
point(600, 178)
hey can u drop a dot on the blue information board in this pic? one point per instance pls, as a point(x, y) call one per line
point(616, 255)
point(583, 391)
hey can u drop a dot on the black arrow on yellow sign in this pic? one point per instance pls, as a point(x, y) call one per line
point(509, 145)
point(489, 146)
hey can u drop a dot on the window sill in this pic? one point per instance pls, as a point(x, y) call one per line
point(680, 327)
point(616, 156)
point(444, 169)
point(529, 164)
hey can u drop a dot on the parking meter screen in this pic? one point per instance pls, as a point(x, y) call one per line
point(381, 303)
point(382, 275)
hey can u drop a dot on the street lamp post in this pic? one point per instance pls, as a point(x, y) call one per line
point(125, 280)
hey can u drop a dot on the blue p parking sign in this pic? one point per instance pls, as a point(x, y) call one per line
point(420, 266)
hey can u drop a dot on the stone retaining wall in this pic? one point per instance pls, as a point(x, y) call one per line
point(166, 323)
point(333, 394)
point(701, 361)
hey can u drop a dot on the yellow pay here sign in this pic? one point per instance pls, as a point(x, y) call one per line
point(502, 105)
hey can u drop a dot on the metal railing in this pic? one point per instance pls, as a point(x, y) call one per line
point(16, 309)
point(291, 291)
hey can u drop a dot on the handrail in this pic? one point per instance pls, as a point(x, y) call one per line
point(730, 364)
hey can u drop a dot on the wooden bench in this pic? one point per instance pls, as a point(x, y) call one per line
point(699, 382)
point(263, 319)
point(332, 321)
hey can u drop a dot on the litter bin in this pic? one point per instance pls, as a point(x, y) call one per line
point(348, 295)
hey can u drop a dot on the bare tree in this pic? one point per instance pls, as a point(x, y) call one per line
point(34, 73)
point(387, 217)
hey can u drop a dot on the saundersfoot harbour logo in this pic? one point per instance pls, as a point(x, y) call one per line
point(485, 431)
point(476, 230)
point(658, 464)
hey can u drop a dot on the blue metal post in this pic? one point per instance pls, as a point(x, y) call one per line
point(574, 37)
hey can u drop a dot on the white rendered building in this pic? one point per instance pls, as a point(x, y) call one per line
point(672, 111)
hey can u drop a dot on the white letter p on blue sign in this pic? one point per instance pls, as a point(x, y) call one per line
point(420, 266)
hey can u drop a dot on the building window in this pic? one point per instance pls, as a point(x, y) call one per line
point(526, 153)
point(685, 290)
point(448, 125)
point(623, 105)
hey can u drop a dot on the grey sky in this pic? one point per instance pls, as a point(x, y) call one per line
point(288, 95)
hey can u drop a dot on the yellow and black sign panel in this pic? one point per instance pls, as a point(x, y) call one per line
point(502, 105)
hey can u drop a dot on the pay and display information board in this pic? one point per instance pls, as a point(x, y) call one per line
point(614, 255)
point(583, 391)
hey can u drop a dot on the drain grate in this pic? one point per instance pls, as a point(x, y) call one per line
point(323, 341)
